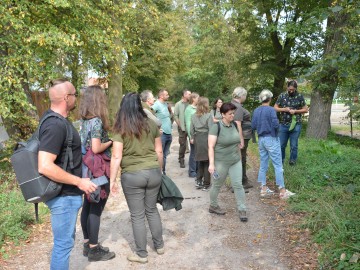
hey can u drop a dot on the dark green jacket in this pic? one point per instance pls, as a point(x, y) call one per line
point(169, 194)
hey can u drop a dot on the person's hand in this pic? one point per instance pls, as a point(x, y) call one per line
point(287, 109)
point(241, 144)
point(86, 185)
point(192, 141)
point(211, 169)
point(292, 111)
point(114, 187)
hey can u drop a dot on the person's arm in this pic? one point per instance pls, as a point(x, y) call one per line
point(159, 152)
point(278, 109)
point(47, 167)
point(192, 130)
point(238, 123)
point(211, 152)
point(177, 114)
point(98, 147)
point(116, 157)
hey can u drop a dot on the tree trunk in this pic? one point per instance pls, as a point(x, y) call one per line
point(115, 85)
point(327, 80)
point(319, 119)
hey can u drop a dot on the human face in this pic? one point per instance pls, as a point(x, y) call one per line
point(195, 101)
point(165, 96)
point(218, 104)
point(151, 99)
point(187, 95)
point(71, 98)
point(228, 117)
point(291, 90)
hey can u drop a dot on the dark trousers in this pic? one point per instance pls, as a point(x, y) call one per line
point(203, 172)
point(182, 143)
point(90, 219)
point(243, 160)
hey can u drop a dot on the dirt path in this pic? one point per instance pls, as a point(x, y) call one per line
point(194, 239)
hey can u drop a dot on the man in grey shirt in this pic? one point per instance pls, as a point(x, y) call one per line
point(147, 100)
point(179, 116)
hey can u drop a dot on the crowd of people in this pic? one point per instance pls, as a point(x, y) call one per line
point(141, 138)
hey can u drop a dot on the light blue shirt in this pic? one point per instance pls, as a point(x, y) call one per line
point(162, 113)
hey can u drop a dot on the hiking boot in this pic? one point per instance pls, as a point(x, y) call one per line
point(136, 258)
point(199, 184)
point(292, 162)
point(247, 185)
point(182, 163)
point(206, 188)
point(243, 216)
point(99, 253)
point(245, 190)
point(160, 251)
point(216, 210)
point(87, 248)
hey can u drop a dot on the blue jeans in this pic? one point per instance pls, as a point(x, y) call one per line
point(64, 211)
point(166, 140)
point(294, 135)
point(192, 161)
point(270, 147)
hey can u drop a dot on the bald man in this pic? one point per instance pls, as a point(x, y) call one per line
point(52, 152)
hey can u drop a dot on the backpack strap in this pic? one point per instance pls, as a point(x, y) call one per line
point(232, 122)
point(69, 139)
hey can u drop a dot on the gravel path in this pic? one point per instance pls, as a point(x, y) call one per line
point(194, 239)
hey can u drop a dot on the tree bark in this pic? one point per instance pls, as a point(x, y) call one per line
point(327, 80)
point(115, 85)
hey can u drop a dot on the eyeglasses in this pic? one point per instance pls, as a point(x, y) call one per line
point(75, 95)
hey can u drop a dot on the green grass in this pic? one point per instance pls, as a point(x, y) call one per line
point(15, 213)
point(327, 182)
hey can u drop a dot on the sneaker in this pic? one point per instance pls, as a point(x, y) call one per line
point(160, 251)
point(285, 195)
point(243, 216)
point(87, 248)
point(292, 162)
point(267, 192)
point(136, 258)
point(182, 163)
point(206, 188)
point(247, 185)
point(99, 253)
point(198, 184)
point(216, 210)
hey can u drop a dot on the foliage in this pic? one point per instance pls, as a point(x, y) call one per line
point(326, 182)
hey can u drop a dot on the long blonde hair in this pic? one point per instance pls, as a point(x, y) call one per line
point(93, 104)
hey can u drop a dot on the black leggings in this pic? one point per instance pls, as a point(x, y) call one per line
point(90, 219)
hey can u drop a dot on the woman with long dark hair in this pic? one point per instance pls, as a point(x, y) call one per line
point(215, 112)
point(94, 136)
point(137, 149)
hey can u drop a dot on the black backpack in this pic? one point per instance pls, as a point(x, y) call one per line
point(34, 186)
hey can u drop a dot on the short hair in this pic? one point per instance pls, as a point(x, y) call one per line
point(184, 91)
point(239, 92)
point(54, 82)
point(292, 83)
point(228, 106)
point(193, 96)
point(265, 96)
point(161, 91)
point(145, 95)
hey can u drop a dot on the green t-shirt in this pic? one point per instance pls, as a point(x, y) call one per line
point(139, 154)
point(227, 144)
